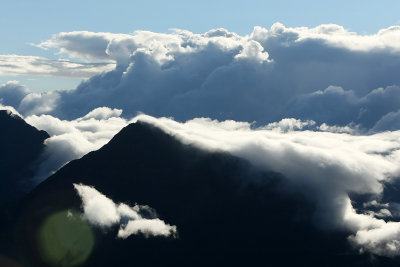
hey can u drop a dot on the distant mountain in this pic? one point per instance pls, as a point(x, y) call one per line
point(21, 146)
point(227, 212)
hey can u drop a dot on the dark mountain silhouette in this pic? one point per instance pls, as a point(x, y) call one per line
point(228, 213)
point(21, 146)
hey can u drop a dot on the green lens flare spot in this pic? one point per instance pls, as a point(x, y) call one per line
point(65, 239)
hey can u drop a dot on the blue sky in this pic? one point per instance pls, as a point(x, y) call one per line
point(25, 22)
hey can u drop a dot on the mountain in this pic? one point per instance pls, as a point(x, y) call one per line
point(227, 212)
point(21, 146)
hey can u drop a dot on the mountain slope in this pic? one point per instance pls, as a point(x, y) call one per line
point(227, 212)
point(20, 146)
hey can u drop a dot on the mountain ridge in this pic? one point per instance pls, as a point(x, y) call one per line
point(22, 146)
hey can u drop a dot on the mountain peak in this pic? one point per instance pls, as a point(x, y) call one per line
point(21, 145)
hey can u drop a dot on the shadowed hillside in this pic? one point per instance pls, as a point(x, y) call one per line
point(20, 146)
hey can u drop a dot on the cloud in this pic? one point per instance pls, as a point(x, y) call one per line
point(325, 74)
point(40, 66)
point(333, 35)
point(377, 110)
point(38, 103)
point(153, 227)
point(383, 240)
point(390, 121)
point(18, 96)
point(102, 113)
point(119, 47)
point(81, 44)
point(98, 209)
point(12, 93)
point(103, 212)
point(289, 124)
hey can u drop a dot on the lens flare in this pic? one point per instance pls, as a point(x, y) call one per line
point(65, 239)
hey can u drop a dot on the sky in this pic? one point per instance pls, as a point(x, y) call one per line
point(26, 22)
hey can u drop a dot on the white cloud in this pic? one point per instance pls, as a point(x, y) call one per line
point(38, 103)
point(334, 35)
point(82, 44)
point(98, 209)
point(12, 93)
point(153, 227)
point(383, 240)
point(40, 66)
point(390, 121)
point(375, 111)
point(374, 203)
point(350, 129)
point(288, 124)
point(102, 113)
point(103, 212)
point(119, 47)
point(160, 46)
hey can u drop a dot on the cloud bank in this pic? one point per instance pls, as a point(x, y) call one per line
point(325, 74)
point(101, 211)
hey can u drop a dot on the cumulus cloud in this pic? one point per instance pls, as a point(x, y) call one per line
point(12, 93)
point(81, 44)
point(27, 103)
point(101, 211)
point(382, 240)
point(38, 103)
point(390, 121)
point(40, 66)
point(119, 47)
point(102, 113)
point(153, 227)
point(289, 124)
point(334, 35)
point(325, 74)
point(376, 111)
